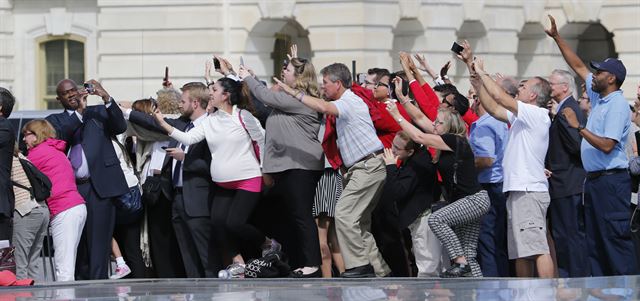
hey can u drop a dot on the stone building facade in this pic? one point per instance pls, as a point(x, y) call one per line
point(127, 43)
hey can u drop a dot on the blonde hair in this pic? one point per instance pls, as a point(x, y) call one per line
point(452, 123)
point(41, 128)
point(169, 101)
point(306, 79)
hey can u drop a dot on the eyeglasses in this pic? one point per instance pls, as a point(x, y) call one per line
point(583, 98)
point(25, 134)
point(560, 83)
point(378, 84)
point(445, 101)
point(393, 146)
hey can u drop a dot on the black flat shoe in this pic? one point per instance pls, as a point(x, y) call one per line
point(457, 270)
point(299, 274)
point(363, 271)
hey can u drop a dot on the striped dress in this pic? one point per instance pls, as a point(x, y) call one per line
point(329, 186)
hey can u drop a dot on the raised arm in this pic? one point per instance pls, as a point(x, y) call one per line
point(419, 118)
point(416, 135)
point(425, 67)
point(487, 100)
point(496, 93)
point(275, 99)
point(569, 55)
point(194, 136)
point(316, 104)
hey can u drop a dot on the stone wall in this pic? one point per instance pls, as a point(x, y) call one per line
point(129, 42)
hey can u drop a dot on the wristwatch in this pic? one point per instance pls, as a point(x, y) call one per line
point(399, 120)
point(580, 128)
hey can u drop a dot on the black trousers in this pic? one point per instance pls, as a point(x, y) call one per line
point(95, 244)
point(194, 235)
point(230, 212)
point(294, 191)
point(128, 238)
point(6, 228)
point(163, 244)
point(385, 227)
point(567, 228)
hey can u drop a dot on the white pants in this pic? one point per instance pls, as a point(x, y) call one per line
point(430, 257)
point(66, 229)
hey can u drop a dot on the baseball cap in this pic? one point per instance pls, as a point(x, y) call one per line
point(8, 278)
point(613, 66)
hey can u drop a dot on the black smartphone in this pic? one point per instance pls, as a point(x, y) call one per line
point(166, 73)
point(456, 48)
point(164, 148)
point(216, 63)
point(89, 88)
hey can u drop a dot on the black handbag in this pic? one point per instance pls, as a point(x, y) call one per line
point(129, 206)
point(151, 191)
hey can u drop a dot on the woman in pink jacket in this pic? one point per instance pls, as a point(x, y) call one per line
point(66, 205)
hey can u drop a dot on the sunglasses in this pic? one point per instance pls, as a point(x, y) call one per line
point(378, 84)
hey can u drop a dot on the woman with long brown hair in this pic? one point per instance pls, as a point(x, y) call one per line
point(293, 157)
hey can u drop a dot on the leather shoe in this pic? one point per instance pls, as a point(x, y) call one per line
point(363, 271)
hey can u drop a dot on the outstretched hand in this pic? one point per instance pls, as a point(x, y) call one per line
point(466, 55)
point(392, 107)
point(422, 61)
point(477, 66)
point(285, 87)
point(397, 82)
point(243, 72)
point(294, 52)
point(445, 69)
point(553, 30)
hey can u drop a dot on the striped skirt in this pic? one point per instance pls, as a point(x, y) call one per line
point(328, 192)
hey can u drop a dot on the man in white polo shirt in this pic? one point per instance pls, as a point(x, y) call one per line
point(523, 163)
point(361, 153)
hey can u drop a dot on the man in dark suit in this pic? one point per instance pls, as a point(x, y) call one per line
point(87, 131)
point(7, 144)
point(567, 177)
point(186, 179)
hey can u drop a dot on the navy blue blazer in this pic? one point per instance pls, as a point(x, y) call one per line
point(197, 186)
point(563, 155)
point(98, 125)
point(7, 142)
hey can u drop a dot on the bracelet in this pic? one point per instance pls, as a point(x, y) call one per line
point(399, 120)
point(404, 102)
point(300, 95)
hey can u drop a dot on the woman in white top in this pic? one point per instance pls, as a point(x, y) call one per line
point(230, 133)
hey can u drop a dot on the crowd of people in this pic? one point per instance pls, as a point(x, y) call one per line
point(388, 176)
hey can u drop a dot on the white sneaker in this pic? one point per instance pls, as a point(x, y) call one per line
point(121, 271)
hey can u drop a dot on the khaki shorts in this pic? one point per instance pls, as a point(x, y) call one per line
point(527, 223)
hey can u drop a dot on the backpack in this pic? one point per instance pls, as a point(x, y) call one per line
point(272, 265)
point(40, 183)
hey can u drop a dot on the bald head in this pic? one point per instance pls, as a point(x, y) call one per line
point(68, 96)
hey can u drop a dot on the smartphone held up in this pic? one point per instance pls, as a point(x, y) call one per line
point(456, 48)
